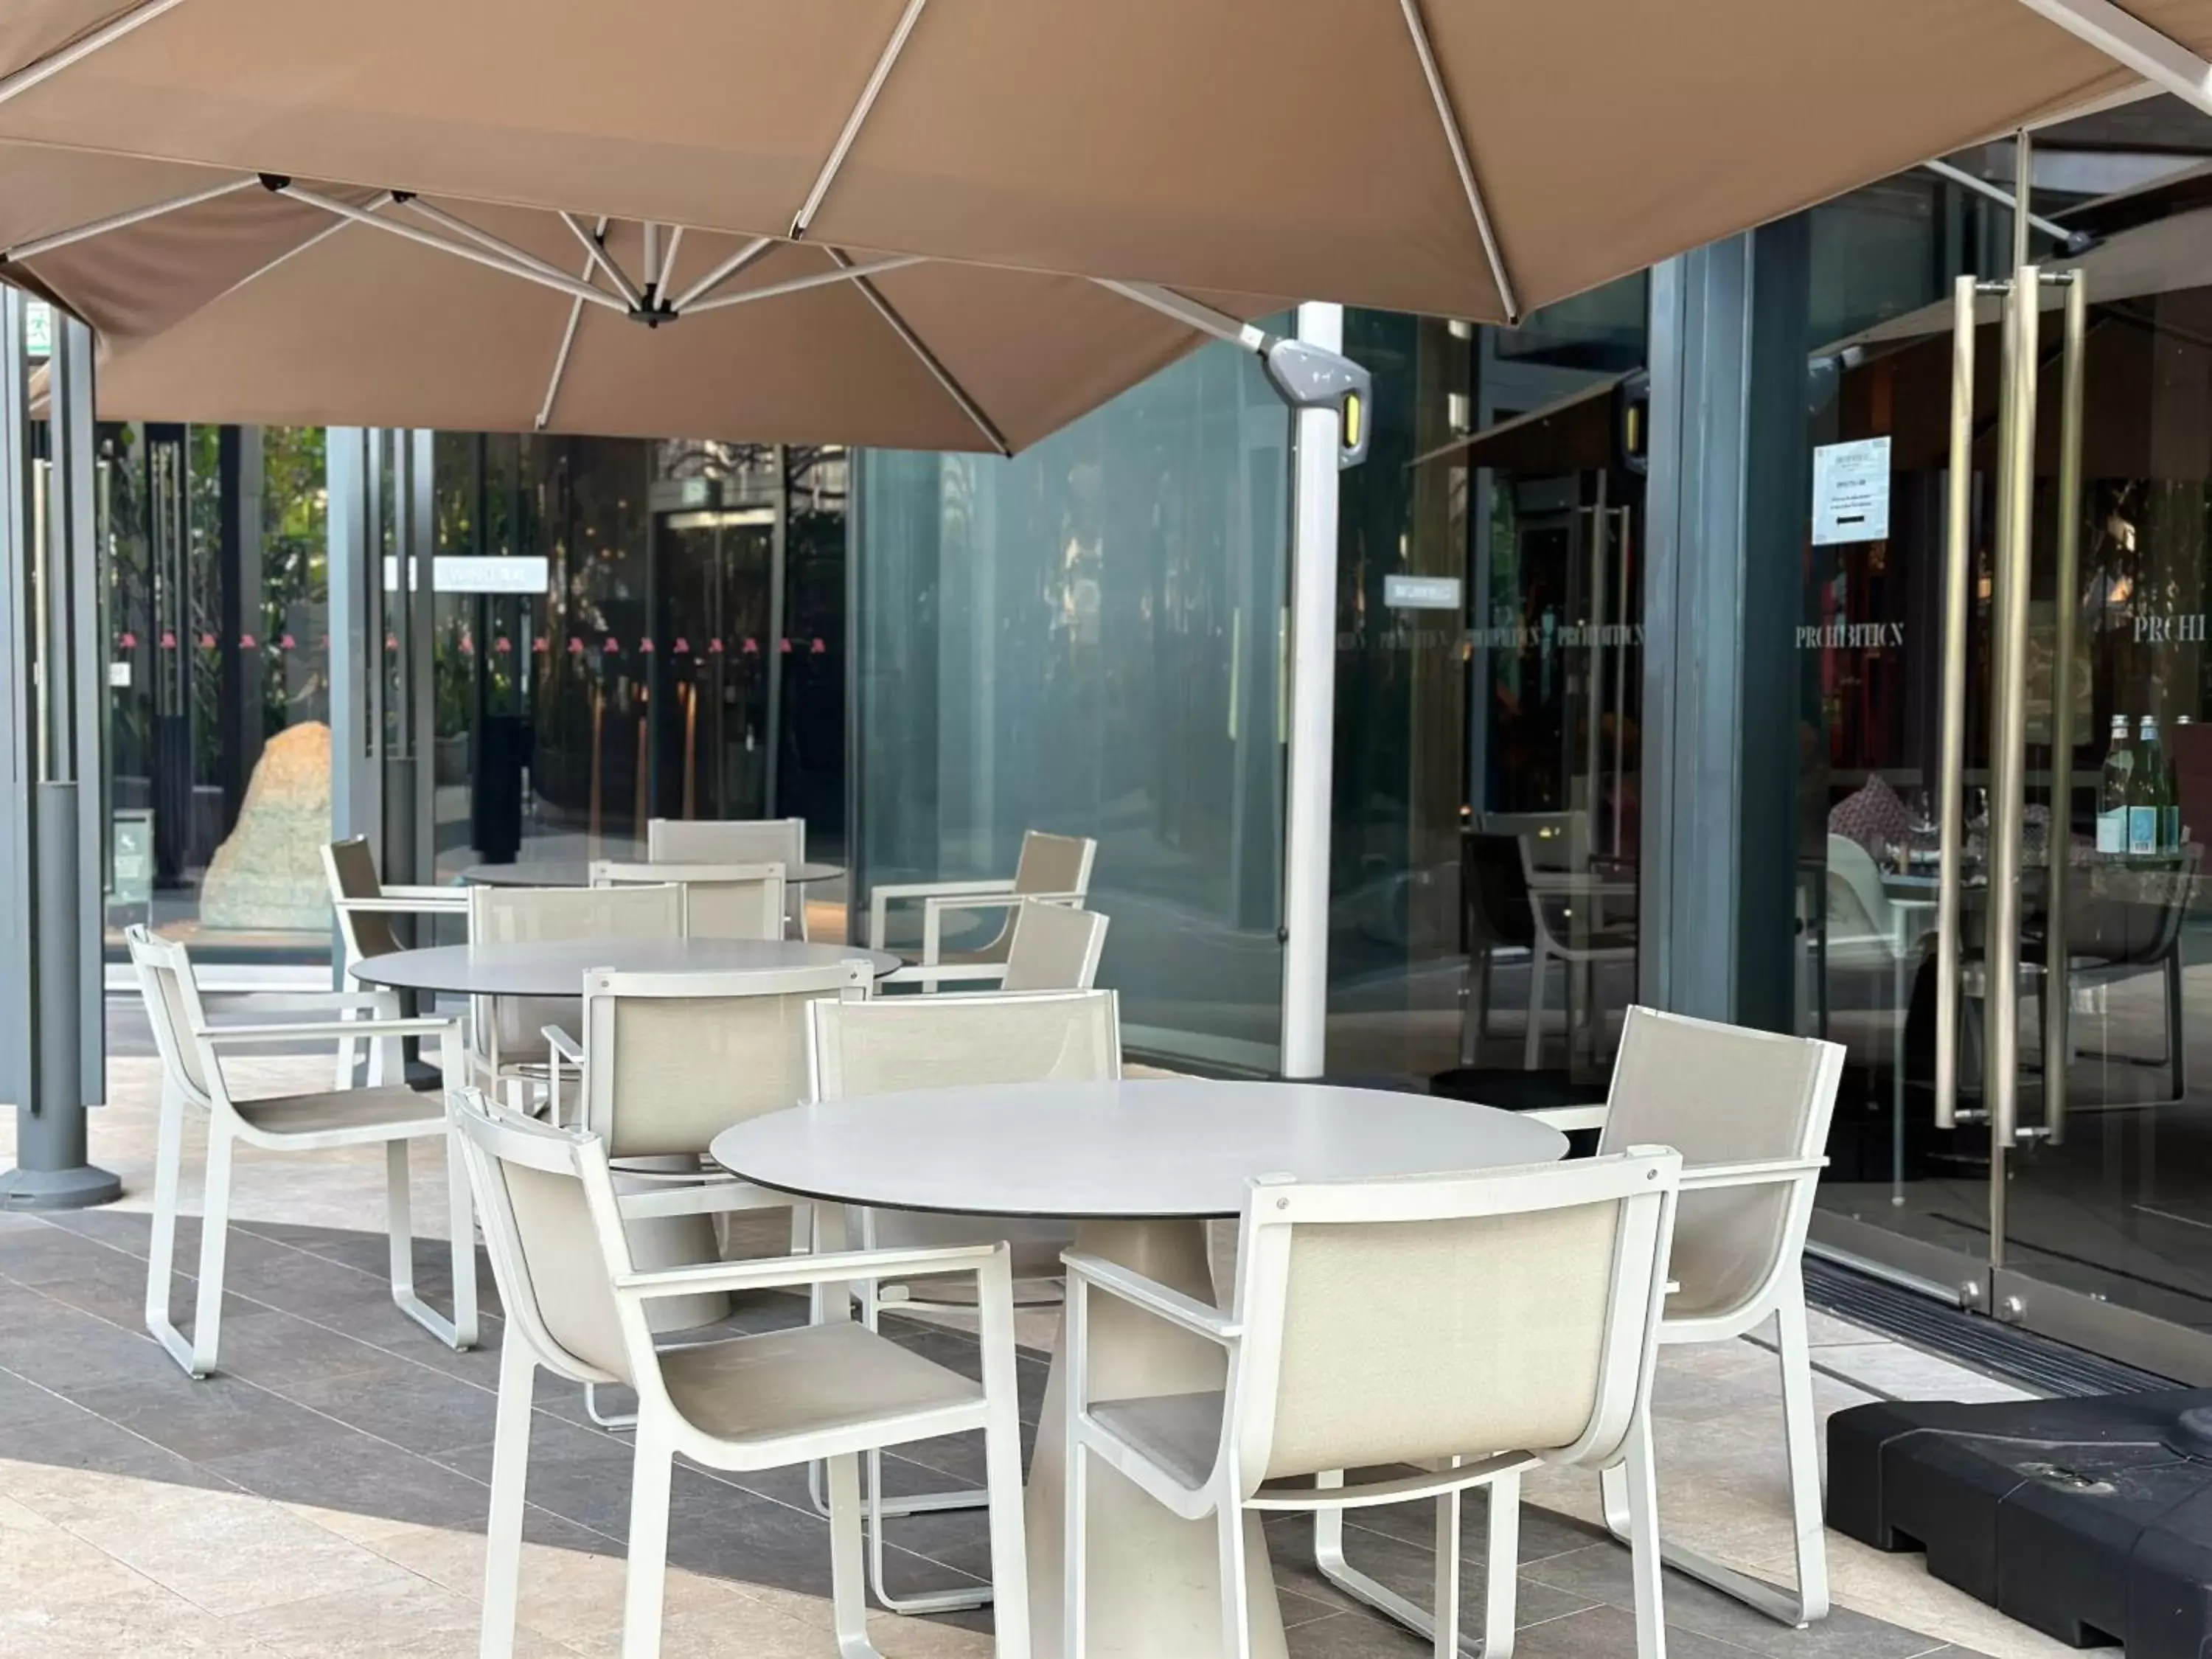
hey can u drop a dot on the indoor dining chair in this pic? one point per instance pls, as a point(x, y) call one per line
point(736, 841)
point(1054, 868)
point(897, 1043)
point(1055, 947)
point(1749, 1112)
point(510, 1051)
point(577, 1305)
point(720, 901)
point(1473, 1326)
point(666, 1063)
point(192, 1049)
point(364, 908)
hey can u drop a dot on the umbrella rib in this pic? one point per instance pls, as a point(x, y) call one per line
point(461, 226)
point(595, 247)
point(61, 239)
point(474, 256)
point(297, 249)
point(1965, 179)
point(568, 342)
point(2134, 44)
point(82, 47)
point(884, 62)
point(943, 376)
point(1419, 30)
point(1190, 313)
point(721, 273)
point(668, 259)
point(848, 273)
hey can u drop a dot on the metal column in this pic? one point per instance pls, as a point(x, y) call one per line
point(1309, 804)
point(52, 724)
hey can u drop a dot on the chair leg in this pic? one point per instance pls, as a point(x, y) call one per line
point(848, 1597)
point(510, 1468)
point(1236, 1608)
point(1447, 1576)
point(162, 1251)
point(1801, 1426)
point(1502, 1567)
point(1329, 1558)
point(2176, 1048)
point(876, 1510)
point(460, 1331)
point(1075, 1588)
point(646, 1578)
point(616, 1421)
point(1810, 1600)
point(1002, 1480)
point(1645, 1568)
point(1532, 1045)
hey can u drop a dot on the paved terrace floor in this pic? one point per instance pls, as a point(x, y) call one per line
point(324, 1496)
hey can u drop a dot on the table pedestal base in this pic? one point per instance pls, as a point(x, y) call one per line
point(1154, 1580)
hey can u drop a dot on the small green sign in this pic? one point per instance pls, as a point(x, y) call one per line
point(39, 329)
point(133, 833)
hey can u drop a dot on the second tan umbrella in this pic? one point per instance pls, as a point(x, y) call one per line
point(265, 300)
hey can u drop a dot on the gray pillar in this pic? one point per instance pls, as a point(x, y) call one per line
point(237, 490)
point(51, 730)
point(1726, 506)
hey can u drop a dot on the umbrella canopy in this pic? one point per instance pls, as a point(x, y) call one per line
point(218, 297)
point(1471, 158)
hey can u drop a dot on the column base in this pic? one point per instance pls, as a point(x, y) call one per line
point(80, 1188)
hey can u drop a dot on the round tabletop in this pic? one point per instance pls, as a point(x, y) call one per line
point(577, 873)
point(1131, 1149)
point(556, 968)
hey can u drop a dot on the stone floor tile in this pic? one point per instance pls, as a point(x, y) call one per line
point(411, 1405)
point(414, 1618)
point(207, 1418)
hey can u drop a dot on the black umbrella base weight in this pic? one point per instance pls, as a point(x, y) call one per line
point(2089, 1519)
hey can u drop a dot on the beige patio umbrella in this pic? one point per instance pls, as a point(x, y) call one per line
point(271, 300)
point(1474, 158)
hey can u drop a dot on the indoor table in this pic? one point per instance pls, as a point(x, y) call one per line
point(1141, 1166)
point(577, 873)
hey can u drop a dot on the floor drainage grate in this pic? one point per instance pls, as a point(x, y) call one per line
point(2033, 1362)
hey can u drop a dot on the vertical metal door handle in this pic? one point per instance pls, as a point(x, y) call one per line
point(1958, 557)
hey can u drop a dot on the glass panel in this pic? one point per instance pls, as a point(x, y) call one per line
point(1488, 678)
point(1088, 639)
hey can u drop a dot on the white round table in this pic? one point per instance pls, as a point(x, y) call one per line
point(1141, 1165)
point(577, 873)
point(556, 968)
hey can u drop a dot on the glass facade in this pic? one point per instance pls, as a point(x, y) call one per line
point(1489, 673)
point(1089, 639)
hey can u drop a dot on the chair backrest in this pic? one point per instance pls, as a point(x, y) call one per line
point(726, 840)
point(1394, 1321)
point(171, 995)
point(530, 915)
point(1054, 947)
point(1054, 863)
point(1723, 1094)
point(555, 1241)
point(1497, 890)
point(672, 1059)
point(720, 901)
point(1857, 907)
point(350, 868)
point(896, 1043)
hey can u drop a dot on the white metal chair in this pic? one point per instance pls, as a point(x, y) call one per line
point(365, 906)
point(720, 901)
point(192, 1047)
point(898, 1043)
point(669, 1060)
point(735, 840)
point(1568, 909)
point(1749, 1112)
point(577, 1306)
point(1471, 1325)
point(1053, 868)
point(510, 1032)
point(1055, 947)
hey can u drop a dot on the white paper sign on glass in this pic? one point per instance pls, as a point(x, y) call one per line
point(1421, 592)
point(469, 573)
point(1850, 492)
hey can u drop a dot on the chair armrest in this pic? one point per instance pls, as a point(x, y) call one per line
point(1152, 1296)
point(423, 905)
point(327, 1002)
point(934, 910)
point(448, 891)
point(1566, 1118)
point(563, 1044)
point(880, 898)
point(329, 1029)
point(1764, 1172)
point(773, 1272)
point(560, 1046)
